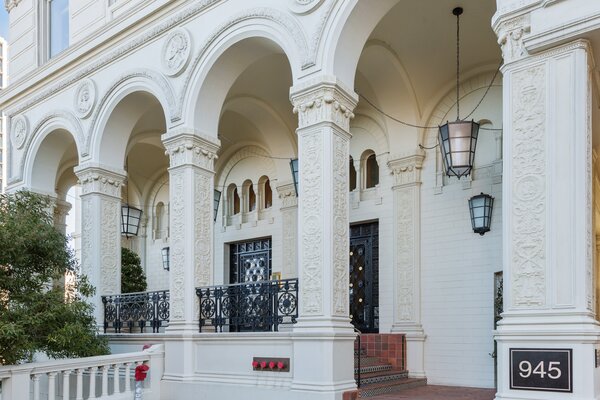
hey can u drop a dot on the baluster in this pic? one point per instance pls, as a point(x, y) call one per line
point(66, 387)
point(92, 394)
point(116, 386)
point(36, 387)
point(127, 377)
point(79, 388)
point(51, 385)
point(105, 380)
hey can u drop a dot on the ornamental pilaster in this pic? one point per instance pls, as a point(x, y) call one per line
point(191, 184)
point(289, 226)
point(406, 190)
point(101, 229)
point(61, 210)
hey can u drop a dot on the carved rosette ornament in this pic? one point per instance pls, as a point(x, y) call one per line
point(304, 6)
point(176, 51)
point(19, 131)
point(510, 37)
point(85, 98)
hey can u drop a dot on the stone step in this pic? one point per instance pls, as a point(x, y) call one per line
point(379, 367)
point(382, 376)
point(391, 386)
point(368, 361)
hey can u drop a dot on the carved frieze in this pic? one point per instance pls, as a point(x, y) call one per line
point(110, 274)
point(203, 223)
point(177, 246)
point(324, 102)
point(176, 51)
point(510, 37)
point(287, 195)
point(10, 4)
point(85, 98)
point(528, 147)
point(19, 131)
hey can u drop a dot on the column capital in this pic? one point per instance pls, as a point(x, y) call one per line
point(97, 178)
point(323, 99)
point(407, 169)
point(287, 194)
point(511, 33)
point(186, 146)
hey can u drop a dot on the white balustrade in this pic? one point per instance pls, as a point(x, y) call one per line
point(40, 381)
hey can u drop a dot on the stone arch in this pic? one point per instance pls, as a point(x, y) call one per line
point(57, 128)
point(143, 81)
point(245, 152)
point(209, 76)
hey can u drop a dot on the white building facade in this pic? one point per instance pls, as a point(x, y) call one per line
point(3, 83)
point(159, 103)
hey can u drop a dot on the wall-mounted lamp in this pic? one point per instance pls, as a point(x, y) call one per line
point(165, 258)
point(481, 207)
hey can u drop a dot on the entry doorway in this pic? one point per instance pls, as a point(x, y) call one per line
point(364, 276)
point(250, 261)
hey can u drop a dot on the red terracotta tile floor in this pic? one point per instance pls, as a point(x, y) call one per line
point(432, 392)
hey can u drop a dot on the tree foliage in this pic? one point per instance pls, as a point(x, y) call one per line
point(132, 275)
point(34, 315)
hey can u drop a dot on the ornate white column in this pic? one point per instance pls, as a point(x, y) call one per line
point(101, 230)
point(191, 186)
point(324, 338)
point(61, 210)
point(289, 226)
point(407, 257)
point(547, 203)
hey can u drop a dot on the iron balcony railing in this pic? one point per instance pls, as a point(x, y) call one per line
point(133, 312)
point(249, 307)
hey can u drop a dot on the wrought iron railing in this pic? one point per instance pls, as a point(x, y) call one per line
point(136, 311)
point(358, 352)
point(252, 307)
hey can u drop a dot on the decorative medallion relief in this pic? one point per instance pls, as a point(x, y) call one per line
point(510, 37)
point(176, 51)
point(304, 6)
point(20, 130)
point(85, 98)
point(528, 258)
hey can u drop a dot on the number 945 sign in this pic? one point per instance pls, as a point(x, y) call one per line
point(549, 370)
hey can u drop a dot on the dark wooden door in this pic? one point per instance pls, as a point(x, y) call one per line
point(364, 277)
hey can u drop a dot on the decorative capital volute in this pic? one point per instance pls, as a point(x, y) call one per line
point(511, 33)
point(323, 100)
point(189, 147)
point(407, 169)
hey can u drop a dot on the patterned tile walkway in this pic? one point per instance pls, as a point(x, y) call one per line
point(432, 392)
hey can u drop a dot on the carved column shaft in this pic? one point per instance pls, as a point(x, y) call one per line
point(101, 230)
point(289, 222)
point(547, 192)
point(324, 111)
point(191, 186)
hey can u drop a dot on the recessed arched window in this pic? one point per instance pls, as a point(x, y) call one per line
point(265, 192)
point(352, 175)
point(233, 199)
point(371, 171)
point(249, 196)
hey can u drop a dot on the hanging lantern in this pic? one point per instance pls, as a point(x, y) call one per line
point(294, 168)
point(165, 258)
point(458, 139)
point(481, 207)
point(217, 200)
point(130, 220)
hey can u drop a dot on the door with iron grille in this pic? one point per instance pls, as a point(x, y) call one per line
point(250, 300)
point(364, 277)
